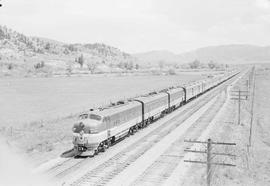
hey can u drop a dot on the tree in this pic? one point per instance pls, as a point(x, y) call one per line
point(81, 60)
point(129, 65)
point(66, 51)
point(47, 46)
point(69, 70)
point(39, 65)
point(91, 67)
point(161, 64)
point(10, 66)
point(121, 65)
point(171, 71)
point(195, 64)
point(211, 65)
point(72, 48)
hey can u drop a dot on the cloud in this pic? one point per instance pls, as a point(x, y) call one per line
point(138, 25)
point(263, 4)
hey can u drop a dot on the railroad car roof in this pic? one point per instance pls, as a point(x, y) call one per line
point(179, 89)
point(115, 109)
point(152, 97)
point(192, 85)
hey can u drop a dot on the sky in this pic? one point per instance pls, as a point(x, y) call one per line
point(142, 25)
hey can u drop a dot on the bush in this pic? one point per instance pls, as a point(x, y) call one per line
point(81, 60)
point(10, 66)
point(195, 64)
point(171, 72)
point(69, 70)
point(39, 65)
point(211, 65)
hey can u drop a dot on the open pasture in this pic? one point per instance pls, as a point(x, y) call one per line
point(34, 99)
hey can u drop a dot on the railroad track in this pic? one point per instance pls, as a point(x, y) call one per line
point(106, 171)
point(162, 168)
point(63, 167)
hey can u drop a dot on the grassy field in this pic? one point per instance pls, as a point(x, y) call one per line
point(32, 99)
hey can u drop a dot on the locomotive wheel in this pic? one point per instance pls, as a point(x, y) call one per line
point(102, 149)
point(109, 143)
point(136, 128)
point(131, 131)
point(112, 140)
point(128, 134)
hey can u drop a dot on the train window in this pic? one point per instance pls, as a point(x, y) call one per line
point(83, 116)
point(95, 117)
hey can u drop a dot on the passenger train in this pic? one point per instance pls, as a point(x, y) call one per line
point(97, 129)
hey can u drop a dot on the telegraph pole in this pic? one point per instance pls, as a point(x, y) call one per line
point(240, 95)
point(208, 171)
point(209, 157)
point(239, 107)
point(252, 77)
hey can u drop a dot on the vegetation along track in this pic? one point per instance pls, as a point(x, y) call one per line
point(107, 170)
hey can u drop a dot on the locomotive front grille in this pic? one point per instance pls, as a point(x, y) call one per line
point(81, 148)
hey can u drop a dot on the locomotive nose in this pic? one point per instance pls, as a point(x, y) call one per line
point(79, 139)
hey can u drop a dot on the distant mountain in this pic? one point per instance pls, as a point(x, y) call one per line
point(19, 48)
point(154, 57)
point(228, 54)
point(221, 54)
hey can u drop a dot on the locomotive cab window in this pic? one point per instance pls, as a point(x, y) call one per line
point(83, 116)
point(95, 117)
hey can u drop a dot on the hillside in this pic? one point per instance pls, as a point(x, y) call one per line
point(154, 57)
point(23, 55)
point(230, 54)
point(22, 50)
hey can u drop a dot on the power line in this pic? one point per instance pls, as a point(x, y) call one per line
point(210, 156)
point(241, 95)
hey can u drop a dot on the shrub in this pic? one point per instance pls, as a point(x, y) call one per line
point(195, 64)
point(10, 66)
point(171, 72)
point(39, 65)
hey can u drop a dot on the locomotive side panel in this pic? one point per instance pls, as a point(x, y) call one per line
point(177, 97)
point(154, 105)
point(121, 122)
